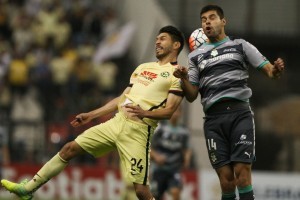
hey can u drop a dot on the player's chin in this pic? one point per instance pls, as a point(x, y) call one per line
point(159, 55)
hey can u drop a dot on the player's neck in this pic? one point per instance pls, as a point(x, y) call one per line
point(217, 39)
point(167, 59)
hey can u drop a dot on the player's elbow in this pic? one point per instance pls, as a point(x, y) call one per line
point(168, 115)
point(191, 94)
point(191, 98)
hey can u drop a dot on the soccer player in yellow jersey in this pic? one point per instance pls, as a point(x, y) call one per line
point(153, 94)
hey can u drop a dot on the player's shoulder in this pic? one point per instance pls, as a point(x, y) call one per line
point(144, 65)
point(147, 64)
point(200, 50)
point(237, 39)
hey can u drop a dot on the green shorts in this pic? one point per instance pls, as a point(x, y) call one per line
point(130, 138)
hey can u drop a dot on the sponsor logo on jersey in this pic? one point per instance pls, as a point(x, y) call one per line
point(224, 56)
point(149, 75)
point(230, 50)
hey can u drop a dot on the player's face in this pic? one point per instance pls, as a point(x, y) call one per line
point(163, 45)
point(212, 24)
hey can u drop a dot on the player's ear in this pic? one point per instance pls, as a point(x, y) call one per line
point(224, 21)
point(176, 45)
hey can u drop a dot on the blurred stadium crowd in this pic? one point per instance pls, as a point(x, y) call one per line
point(47, 73)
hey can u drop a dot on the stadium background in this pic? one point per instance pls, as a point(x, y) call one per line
point(59, 58)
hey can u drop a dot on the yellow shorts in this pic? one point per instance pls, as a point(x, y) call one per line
point(130, 138)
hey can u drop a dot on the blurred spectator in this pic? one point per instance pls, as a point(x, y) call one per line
point(4, 150)
point(111, 22)
point(18, 74)
point(5, 59)
point(62, 33)
point(46, 50)
point(47, 24)
point(22, 36)
point(105, 75)
point(27, 132)
point(41, 77)
point(5, 30)
point(170, 153)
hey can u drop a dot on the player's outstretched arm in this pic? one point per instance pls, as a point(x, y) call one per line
point(190, 91)
point(109, 107)
point(173, 102)
point(275, 70)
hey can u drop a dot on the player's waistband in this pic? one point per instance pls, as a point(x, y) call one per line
point(227, 106)
point(130, 116)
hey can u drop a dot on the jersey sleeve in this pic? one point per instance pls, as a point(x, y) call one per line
point(193, 72)
point(176, 86)
point(254, 57)
point(133, 77)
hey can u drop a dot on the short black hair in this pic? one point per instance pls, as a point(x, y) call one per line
point(218, 9)
point(175, 34)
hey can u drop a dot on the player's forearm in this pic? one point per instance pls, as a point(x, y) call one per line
point(110, 107)
point(187, 158)
point(165, 113)
point(267, 69)
point(190, 91)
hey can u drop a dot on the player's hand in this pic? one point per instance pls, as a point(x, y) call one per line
point(81, 119)
point(278, 68)
point(160, 159)
point(137, 111)
point(181, 72)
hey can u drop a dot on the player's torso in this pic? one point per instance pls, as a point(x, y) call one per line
point(222, 71)
point(220, 59)
point(152, 83)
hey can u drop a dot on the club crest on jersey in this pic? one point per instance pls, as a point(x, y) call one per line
point(149, 75)
point(165, 74)
point(214, 53)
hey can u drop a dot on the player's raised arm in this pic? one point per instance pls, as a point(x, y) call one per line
point(109, 107)
point(190, 91)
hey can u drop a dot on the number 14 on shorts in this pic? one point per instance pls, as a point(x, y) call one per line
point(211, 144)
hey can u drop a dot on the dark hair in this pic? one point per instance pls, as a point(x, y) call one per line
point(176, 35)
point(218, 9)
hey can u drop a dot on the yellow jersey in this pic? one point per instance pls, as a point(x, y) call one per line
point(150, 85)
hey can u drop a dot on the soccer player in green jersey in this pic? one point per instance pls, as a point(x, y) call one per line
point(218, 70)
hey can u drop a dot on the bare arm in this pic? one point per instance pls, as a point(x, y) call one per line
point(275, 70)
point(190, 91)
point(187, 158)
point(173, 102)
point(111, 106)
point(158, 157)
